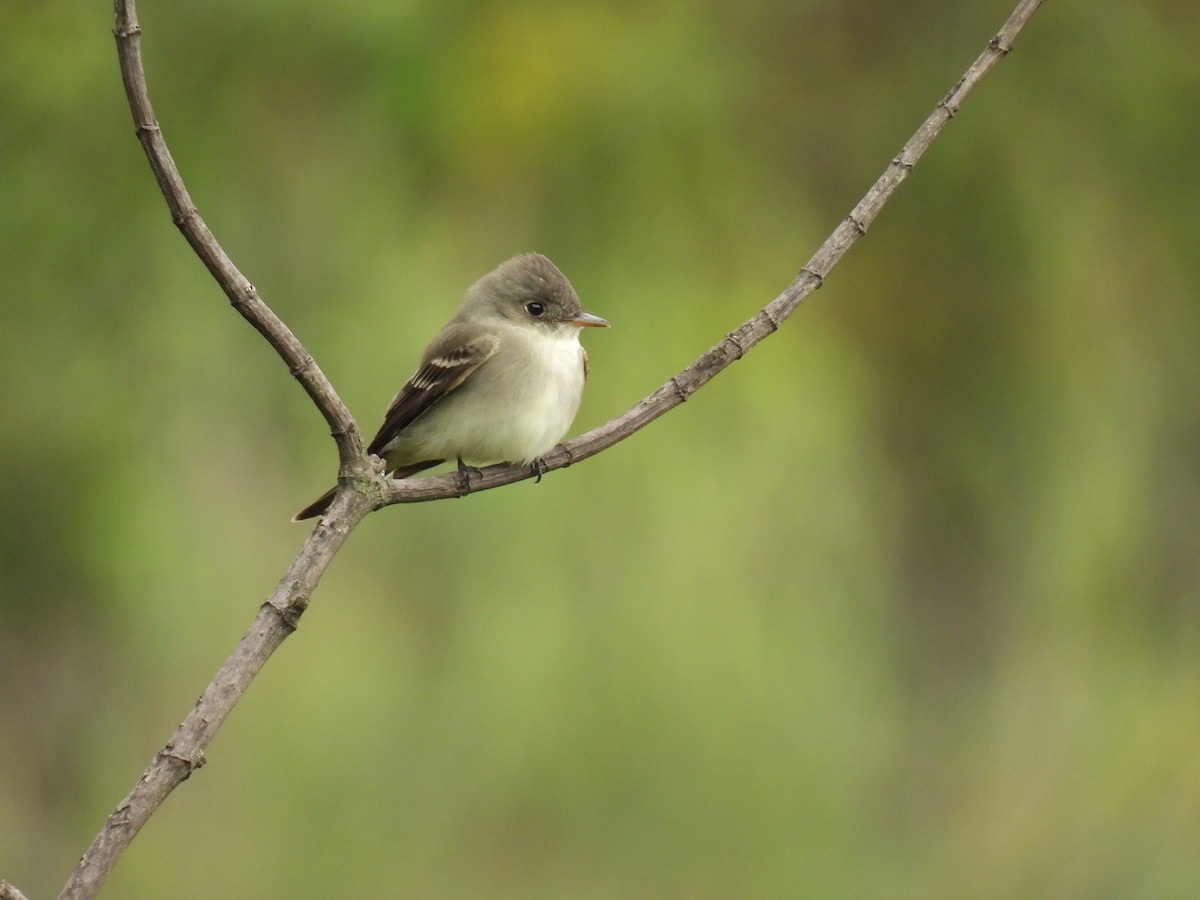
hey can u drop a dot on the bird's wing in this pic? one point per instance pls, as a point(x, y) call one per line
point(447, 363)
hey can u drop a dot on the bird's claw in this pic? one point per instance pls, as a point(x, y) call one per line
point(539, 468)
point(464, 476)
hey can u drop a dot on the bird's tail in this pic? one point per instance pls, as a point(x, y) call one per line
point(318, 506)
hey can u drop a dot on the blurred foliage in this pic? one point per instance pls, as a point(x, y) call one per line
point(903, 605)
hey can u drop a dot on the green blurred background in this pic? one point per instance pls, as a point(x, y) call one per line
point(903, 605)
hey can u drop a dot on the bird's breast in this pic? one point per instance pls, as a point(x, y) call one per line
point(514, 408)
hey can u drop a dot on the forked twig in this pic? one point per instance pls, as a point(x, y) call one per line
point(363, 489)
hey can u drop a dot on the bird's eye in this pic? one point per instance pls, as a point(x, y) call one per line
point(535, 309)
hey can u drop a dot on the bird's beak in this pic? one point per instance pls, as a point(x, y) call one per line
point(587, 320)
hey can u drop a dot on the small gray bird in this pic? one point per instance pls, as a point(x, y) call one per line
point(501, 382)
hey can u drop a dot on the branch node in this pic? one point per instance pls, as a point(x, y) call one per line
point(185, 216)
point(679, 389)
point(769, 315)
point(814, 275)
point(289, 613)
point(190, 763)
point(122, 815)
point(999, 44)
point(950, 109)
point(303, 365)
point(732, 338)
point(857, 224)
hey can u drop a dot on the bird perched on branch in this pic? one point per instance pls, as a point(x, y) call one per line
point(501, 382)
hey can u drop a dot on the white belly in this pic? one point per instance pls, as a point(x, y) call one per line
point(514, 408)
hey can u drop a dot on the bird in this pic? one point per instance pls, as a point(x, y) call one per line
point(500, 382)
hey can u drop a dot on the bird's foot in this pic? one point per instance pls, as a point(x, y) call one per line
point(539, 468)
point(464, 477)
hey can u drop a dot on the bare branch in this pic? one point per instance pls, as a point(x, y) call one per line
point(737, 343)
point(240, 291)
point(184, 752)
point(9, 892)
point(363, 489)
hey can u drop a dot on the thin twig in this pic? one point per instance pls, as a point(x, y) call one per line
point(9, 892)
point(240, 291)
point(184, 752)
point(737, 343)
point(362, 490)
